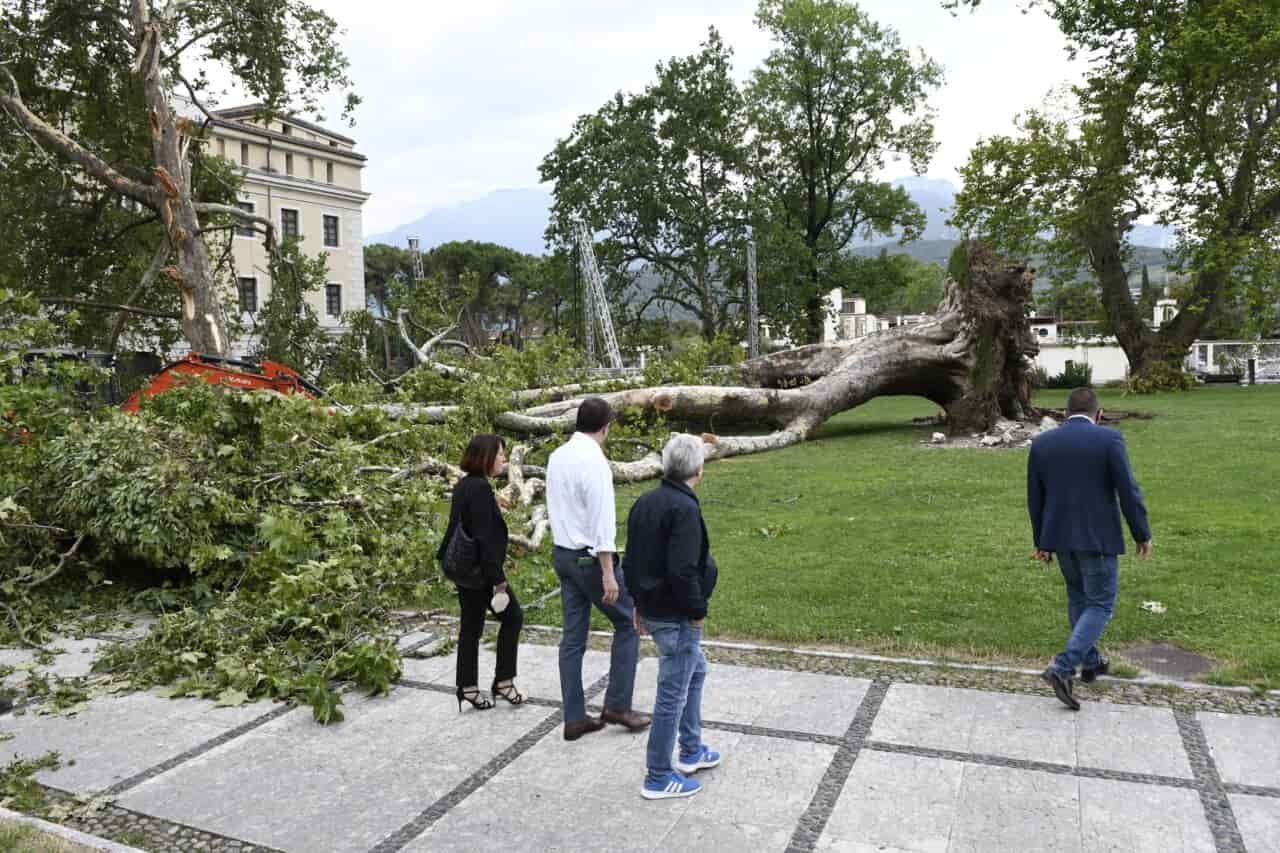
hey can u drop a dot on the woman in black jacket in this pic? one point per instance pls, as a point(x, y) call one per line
point(476, 509)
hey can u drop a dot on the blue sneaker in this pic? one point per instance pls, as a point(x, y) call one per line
point(702, 760)
point(673, 786)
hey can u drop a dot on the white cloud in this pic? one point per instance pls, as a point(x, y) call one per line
point(464, 98)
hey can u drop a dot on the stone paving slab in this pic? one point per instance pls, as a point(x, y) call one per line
point(930, 805)
point(811, 762)
point(1122, 817)
point(895, 802)
point(538, 670)
point(1246, 749)
point(1112, 737)
point(778, 699)
point(115, 737)
point(553, 796)
point(74, 658)
point(1259, 820)
point(294, 785)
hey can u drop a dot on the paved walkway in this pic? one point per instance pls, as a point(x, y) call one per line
point(812, 762)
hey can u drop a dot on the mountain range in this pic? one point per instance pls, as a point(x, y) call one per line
point(517, 218)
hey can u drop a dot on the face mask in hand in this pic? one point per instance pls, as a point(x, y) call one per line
point(500, 602)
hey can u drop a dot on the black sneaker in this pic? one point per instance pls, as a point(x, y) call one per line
point(1061, 685)
point(1088, 676)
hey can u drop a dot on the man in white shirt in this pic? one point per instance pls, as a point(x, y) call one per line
point(583, 526)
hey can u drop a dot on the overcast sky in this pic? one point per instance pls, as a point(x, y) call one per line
point(462, 98)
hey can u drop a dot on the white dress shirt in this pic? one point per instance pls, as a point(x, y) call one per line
point(580, 497)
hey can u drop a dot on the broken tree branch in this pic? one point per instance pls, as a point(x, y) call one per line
point(17, 626)
point(62, 563)
point(68, 148)
point(148, 278)
point(243, 215)
point(111, 306)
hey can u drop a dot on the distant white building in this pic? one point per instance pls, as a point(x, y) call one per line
point(1064, 343)
point(1068, 343)
point(847, 318)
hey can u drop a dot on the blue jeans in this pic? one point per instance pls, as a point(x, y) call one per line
point(581, 587)
point(1092, 582)
point(682, 668)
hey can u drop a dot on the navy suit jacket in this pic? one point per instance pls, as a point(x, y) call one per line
point(1075, 474)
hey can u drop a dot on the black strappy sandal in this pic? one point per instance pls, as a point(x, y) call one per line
point(510, 693)
point(477, 699)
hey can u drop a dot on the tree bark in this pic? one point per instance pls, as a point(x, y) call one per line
point(204, 321)
point(971, 359)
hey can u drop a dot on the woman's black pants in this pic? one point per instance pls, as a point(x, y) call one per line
point(474, 603)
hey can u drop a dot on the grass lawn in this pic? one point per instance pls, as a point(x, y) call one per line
point(866, 538)
point(19, 837)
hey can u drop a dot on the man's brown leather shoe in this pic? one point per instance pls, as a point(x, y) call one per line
point(628, 719)
point(573, 731)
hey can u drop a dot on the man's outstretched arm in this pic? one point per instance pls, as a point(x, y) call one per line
point(1131, 502)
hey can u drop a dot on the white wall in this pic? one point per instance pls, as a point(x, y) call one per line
point(1108, 361)
point(831, 321)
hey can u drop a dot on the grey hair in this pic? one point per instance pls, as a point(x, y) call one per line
point(682, 457)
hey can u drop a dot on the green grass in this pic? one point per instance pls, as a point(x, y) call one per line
point(864, 537)
point(18, 837)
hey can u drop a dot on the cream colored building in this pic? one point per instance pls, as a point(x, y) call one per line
point(306, 180)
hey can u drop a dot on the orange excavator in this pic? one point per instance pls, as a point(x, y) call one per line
point(212, 370)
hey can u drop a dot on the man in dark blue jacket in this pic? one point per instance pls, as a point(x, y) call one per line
point(1075, 473)
point(670, 575)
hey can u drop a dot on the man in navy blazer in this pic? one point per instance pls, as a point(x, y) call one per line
point(1075, 474)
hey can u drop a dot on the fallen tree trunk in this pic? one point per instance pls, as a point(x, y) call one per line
point(971, 359)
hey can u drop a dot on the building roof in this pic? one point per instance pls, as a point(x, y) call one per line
point(254, 110)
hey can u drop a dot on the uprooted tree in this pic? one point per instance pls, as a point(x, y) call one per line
point(1179, 119)
point(971, 358)
point(60, 58)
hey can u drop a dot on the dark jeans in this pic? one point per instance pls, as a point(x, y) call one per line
point(581, 587)
point(1092, 583)
point(474, 604)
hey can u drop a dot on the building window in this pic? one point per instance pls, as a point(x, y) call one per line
point(286, 130)
point(328, 172)
point(1042, 332)
point(331, 231)
point(311, 168)
point(289, 223)
point(244, 229)
point(333, 300)
point(288, 164)
point(244, 154)
point(248, 287)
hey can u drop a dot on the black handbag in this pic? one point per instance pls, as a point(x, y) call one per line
point(461, 563)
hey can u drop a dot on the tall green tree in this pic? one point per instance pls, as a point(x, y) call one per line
point(287, 329)
point(660, 176)
point(484, 272)
point(836, 97)
point(1179, 119)
point(89, 92)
